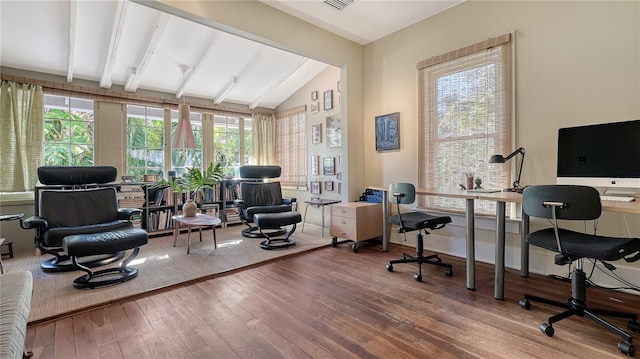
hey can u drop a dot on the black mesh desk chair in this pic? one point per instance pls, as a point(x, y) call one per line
point(405, 193)
point(577, 203)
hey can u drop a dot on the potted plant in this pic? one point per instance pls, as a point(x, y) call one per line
point(194, 182)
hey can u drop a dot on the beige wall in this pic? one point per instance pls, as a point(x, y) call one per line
point(576, 63)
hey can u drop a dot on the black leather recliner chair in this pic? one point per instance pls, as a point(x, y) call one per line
point(76, 200)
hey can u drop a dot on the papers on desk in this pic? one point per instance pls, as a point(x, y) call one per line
point(483, 190)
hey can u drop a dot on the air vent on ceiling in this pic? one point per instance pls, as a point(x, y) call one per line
point(339, 4)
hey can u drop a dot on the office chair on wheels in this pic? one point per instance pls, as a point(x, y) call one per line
point(405, 193)
point(561, 202)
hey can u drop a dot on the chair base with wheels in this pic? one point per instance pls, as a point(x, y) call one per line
point(404, 193)
point(269, 221)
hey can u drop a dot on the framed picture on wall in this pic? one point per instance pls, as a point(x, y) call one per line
point(329, 166)
point(328, 185)
point(314, 96)
point(387, 132)
point(328, 100)
point(315, 165)
point(334, 133)
point(315, 107)
point(316, 133)
point(315, 187)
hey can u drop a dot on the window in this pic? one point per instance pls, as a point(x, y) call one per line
point(465, 117)
point(232, 141)
point(145, 141)
point(68, 131)
point(183, 158)
point(291, 146)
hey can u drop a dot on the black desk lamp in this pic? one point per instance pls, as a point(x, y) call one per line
point(502, 159)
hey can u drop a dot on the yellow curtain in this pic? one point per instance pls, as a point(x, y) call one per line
point(264, 139)
point(21, 135)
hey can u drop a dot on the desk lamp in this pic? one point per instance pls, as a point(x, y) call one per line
point(502, 159)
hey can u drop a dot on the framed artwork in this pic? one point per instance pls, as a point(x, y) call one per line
point(316, 133)
point(315, 165)
point(315, 107)
point(314, 96)
point(329, 166)
point(334, 134)
point(315, 187)
point(328, 100)
point(387, 132)
point(328, 185)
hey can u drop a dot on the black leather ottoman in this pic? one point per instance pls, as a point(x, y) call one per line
point(82, 245)
point(275, 221)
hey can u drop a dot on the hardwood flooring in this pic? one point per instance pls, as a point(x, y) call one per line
point(332, 303)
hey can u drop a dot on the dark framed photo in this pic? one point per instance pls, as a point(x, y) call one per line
point(315, 187)
point(314, 96)
point(328, 100)
point(388, 132)
point(328, 185)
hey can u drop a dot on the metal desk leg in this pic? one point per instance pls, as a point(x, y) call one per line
point(498, 292)
point(304, 220)
point(524, 247)
point(323, 221)
point(471, 252)
point(385, 221)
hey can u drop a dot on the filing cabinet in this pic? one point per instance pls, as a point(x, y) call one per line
point(355, 221)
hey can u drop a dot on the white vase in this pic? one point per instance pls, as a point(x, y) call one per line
point(189, 208)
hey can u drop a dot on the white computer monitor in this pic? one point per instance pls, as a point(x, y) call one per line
point(603, 155)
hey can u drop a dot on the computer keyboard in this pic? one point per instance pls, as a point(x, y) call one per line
point(617, 198)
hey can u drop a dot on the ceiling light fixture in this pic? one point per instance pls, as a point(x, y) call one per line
point(184, 138)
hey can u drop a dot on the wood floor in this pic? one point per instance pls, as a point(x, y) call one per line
point(332, 303)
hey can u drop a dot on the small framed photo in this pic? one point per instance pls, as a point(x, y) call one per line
point(316, 133)
point(328, 185)
point(315, 165)
point(314, 96)
point(329, 166)
point(315, 187)
point(315, 107)
point(387, 132)
point(328, 100)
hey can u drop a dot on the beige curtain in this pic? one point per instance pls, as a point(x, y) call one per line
point(21, 135)
point(291, 146)
point(264, 139)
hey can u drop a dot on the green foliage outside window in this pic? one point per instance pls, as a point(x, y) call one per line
point(68, 138)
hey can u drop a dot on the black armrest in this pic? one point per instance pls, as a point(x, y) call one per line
point(34, 222)
point(127, 213)
point(239, 203)
point(288, 201)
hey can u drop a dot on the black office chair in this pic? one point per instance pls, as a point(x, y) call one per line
point(405, 193)
point(582, 203)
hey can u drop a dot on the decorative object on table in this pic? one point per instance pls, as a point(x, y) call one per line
point(128, 179)
point(194, 182)
point(501, 159)
point(315, 165)
point(328, 185)
point(189, 208)
point(328, 100)
point(315, 187)
point(314, 95)
point(478, 182)
point(315, 107)
point(316, 133)
point(334, 133)
point(387, 132)
point(469, 177)
point(329, 166)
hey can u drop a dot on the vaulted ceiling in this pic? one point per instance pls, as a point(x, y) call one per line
point(129, 44)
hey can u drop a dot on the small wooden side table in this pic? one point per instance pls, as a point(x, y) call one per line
point(200, 220)
point(8, 217)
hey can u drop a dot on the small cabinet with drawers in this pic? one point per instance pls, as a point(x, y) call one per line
point(355, 221)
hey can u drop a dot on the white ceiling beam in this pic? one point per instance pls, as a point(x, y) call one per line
point(225, 91)
point(71, 51)
point(114, 43)
point(204, 55)
point(162, 21)
point(276, 83)
point(234, 80)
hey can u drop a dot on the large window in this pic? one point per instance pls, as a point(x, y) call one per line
point(183, 158)
point(465, 117)
point(291, 146)
point(232, 141)
point(145, 141)
point(68, 131)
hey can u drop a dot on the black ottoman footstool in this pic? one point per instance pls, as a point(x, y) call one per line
point(275, 221)
point(81, 245)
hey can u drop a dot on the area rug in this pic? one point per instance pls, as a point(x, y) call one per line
point(160, 266)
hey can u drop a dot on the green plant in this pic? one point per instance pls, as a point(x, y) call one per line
point(196, 181)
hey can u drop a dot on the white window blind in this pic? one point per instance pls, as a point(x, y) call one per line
point(291, 146)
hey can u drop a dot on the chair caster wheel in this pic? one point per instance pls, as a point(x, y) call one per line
point(417, 277)
point(627, 349)
point(334, 242)
point(634, 326)
point(525, 304)
point(389, 267)
point(547, 329)
point(354, 247)
point(438, 260)
point(448, 272)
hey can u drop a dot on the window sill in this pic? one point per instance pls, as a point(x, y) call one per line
point(16, 198)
